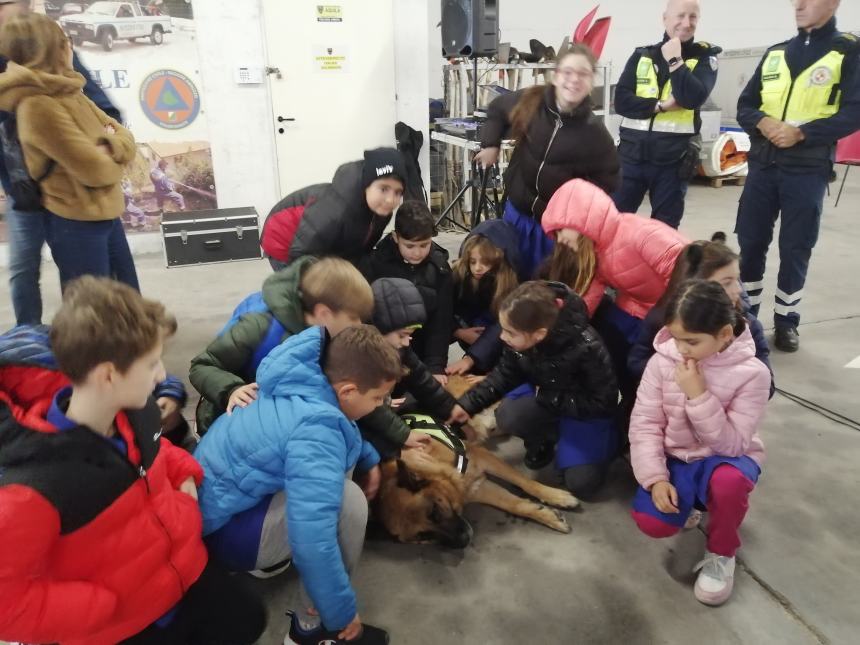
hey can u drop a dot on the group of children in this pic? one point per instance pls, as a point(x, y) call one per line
point(300, 401)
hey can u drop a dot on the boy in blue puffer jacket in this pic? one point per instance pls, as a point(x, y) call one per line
point(277, 481)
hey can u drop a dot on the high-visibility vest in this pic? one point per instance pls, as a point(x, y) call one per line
point(676, 121)
point(814, 94)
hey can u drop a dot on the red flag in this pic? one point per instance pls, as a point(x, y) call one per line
point(582, 28)
point(596, 36)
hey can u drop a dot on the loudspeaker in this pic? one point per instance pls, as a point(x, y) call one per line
point(470, 27)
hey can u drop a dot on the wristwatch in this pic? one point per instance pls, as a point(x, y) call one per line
point(660, 106)
point(675, 60)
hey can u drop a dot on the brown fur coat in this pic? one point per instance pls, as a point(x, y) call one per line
point(56, 121)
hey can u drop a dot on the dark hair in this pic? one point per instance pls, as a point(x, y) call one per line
point(703, 307)
point(699, 259)
point(531, 306)
point(414, 222)
point(361, 356)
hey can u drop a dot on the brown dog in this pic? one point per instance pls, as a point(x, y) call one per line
point(483, 424)
point(422, 494)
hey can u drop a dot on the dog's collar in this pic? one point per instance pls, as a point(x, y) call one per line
point(441, 433)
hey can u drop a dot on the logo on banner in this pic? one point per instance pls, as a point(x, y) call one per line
point(169, 99)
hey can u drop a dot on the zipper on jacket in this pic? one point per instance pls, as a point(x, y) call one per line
point(558, 124)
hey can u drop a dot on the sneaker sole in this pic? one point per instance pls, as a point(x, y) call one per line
point(714, 599)
point(264, 574)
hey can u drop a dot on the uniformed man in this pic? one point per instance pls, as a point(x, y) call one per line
point(804, 96)
point(659, 94)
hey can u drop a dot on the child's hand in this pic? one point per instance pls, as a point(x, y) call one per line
point(396, 403)
point(242, 396)
point(458, 415)
point(665, 497)
point(369, 482)
point(474, 379)
point(460, 367)
point(351, 631)
point(189, 488)
point(689, 377)
point(417, 440)
point(469, 335)
point(442, 378)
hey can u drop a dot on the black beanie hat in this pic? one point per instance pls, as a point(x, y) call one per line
point(397, 304)
point(383, 162)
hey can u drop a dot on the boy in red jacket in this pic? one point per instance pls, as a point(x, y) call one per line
point(100, 533)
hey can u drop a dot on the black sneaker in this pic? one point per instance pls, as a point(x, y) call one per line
point(370, 635)
point(786, 339)
point(539, 455)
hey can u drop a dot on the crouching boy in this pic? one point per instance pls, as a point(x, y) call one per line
point(277, 481)
point(100, 532)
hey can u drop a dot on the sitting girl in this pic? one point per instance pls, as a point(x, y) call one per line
point(484, 275)
point(694, 430)
point(551, 347)
point(709, 261)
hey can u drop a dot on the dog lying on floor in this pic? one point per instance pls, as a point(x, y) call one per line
point(483, 424)
point(422, 494)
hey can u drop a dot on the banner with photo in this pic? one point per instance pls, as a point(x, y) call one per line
point(145, 56)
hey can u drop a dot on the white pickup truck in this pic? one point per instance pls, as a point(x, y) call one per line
point(107, 22)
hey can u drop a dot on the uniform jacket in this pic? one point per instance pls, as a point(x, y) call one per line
point(433, 279)
point(324, 219)
point(94, 545)
point(690, 88)
point(294, 438)
point(571, 368)
point(635, 255)
point(723, 421)
point(821, 135)
point(56, 121)
point(557, 148)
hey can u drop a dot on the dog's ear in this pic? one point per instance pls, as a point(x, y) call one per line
point(408, 479)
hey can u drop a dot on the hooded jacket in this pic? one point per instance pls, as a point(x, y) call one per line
point(324, 219)
point(635, 255)
point(227, 363)
point(56, 121)
point(475, 309)
point(557, 148)
point(95, 545)
point(570, 368)
point(433, 279)
point(293, 438)
point(723, 421)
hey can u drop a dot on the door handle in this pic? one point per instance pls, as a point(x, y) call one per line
point(281, 119)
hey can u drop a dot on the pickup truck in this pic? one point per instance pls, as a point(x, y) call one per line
point(107, 22)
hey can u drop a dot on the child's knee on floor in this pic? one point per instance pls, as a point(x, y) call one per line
point(652, 526)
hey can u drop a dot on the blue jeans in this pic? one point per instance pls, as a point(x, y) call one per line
point(26, 237)
point(91, 248)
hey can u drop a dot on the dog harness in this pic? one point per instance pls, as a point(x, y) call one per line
point(441, 433)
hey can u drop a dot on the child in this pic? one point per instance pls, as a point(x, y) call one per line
point(277, 479)
point(552, 348)
point(694, 430)
point(344, 218)
point(329, 292)
point(398, 311)
point(410, 253)
point(100, 528)
point(484, 275)
point(709, 261)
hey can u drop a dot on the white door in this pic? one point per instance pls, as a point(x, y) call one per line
point(335, 95)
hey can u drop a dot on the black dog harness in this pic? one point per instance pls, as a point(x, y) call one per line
point(441, 433)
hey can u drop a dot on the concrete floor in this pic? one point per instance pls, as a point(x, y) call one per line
point(799, 578)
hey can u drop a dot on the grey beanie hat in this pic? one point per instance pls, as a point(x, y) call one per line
point(397, 304)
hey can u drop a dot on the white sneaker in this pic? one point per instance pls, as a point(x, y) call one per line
point(693, 519)
point(716, 578)
point(274, 570)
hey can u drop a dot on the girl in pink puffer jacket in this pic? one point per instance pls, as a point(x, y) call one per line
point(694, 440)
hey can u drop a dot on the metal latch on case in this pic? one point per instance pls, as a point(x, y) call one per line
point(183, 235)
point(239, 232)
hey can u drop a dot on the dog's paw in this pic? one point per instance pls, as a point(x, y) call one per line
point(556, 521)
point(560, 499)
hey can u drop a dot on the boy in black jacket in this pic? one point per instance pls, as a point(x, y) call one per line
point(398, 311)
point(410, 253)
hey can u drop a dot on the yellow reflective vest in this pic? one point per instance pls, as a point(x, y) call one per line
point(676, 121)
point(813, 95)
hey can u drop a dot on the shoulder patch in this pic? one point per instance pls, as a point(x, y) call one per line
point(714, 63)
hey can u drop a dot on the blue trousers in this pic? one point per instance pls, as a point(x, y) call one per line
point(91, 248)
point(798, 197)
point(27, 232)
point(665, 190)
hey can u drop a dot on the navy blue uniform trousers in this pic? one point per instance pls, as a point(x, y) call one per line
point(798, 197)
point(665, 190)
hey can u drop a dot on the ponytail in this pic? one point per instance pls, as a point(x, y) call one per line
point(699, 259)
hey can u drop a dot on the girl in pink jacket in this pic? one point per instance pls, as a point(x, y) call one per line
point(694, 440)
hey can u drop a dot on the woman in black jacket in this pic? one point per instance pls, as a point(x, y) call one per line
point(558, 138)
point(573, 393)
